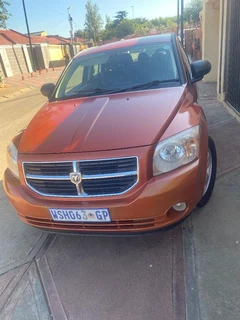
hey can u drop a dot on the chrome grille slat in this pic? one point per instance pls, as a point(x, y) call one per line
point(49, 169)
point(84, 177)
point(104, 177)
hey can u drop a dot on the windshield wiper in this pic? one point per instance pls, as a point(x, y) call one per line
point(88, 93)
point(151, 84)
point(145, 85)
point(96, 91)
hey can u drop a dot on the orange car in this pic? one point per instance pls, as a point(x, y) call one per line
point(121, 146)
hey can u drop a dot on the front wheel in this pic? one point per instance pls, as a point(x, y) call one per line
point(210, 174)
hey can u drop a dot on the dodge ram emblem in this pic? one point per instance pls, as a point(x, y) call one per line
point(76, 177)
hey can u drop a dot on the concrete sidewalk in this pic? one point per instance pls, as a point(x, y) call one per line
point(21, 83)
point(212, 234)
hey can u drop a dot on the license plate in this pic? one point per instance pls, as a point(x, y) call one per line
point(74, 215)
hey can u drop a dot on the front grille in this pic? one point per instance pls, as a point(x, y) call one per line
point(98, 177)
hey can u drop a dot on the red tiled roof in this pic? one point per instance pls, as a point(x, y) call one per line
point(38, 39)
point(9, 37)
point(59, 39)
point(48, 39)
point(12, 37)
point(4, 41)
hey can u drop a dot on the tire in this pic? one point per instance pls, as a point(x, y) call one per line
point(209, 190)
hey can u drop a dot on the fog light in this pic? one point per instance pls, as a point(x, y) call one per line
point(180, 206)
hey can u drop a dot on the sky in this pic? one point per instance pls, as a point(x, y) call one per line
point(51, 15)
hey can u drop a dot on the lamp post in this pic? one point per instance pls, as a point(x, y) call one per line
point(133, 12)
point(70, 23)
point(178, 7)
point(29, 37)
point(182, 26)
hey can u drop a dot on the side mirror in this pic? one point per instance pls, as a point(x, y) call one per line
point(199, 69)
point(47, 89)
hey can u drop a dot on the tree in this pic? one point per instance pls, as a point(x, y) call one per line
point(122, 27)
point(141, 20)
point(142, 29)
point(80, 34)
point(93, 21)
point(192, 11)
point(121, 15)
point(170, 24)
point(4, 14)
point(108, 20)
point(110, 29)
point(125, 28)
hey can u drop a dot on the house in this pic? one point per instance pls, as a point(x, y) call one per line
point(9, 37)
point(48, 51)
point(38, 33)
point(221, 46)
point(14, 55)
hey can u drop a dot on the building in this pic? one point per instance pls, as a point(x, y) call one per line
point(38, 33)
point(14, 55)
point(221, 46)
point(48, 51)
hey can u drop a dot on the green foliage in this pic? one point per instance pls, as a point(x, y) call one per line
point(108, 20)
point(141, 21)
point(192, 11)
point(125, 28)
point(81, 34)
point(121, 15)
point(120, 26)
point(4, 14)
point(93, 21)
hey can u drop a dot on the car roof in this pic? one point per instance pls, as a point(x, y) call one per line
point(127, 43)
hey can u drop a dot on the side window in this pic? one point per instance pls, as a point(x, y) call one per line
point(75, 80)
point(186, 60)
point(95, 69)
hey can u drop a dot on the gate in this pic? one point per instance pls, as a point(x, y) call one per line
point(233, 70)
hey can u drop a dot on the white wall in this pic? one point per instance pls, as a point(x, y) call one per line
point(210, 41)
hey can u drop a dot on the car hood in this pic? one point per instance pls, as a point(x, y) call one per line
point(111, 122)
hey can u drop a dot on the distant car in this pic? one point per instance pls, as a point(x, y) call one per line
point(121, 146)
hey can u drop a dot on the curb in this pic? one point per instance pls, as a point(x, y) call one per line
point(14, 94)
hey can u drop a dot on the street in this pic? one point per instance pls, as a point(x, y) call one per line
point(15, 115)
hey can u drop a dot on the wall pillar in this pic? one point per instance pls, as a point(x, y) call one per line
point(210, 41)
point(223, 48)
point(6, 63)
point(28, 61)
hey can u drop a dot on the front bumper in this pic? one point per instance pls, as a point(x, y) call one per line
point(147, 209)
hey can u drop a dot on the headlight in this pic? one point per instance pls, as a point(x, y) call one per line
point(176, 151)
point(12, 155)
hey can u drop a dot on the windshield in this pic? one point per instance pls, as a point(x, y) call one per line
point(124, 69)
